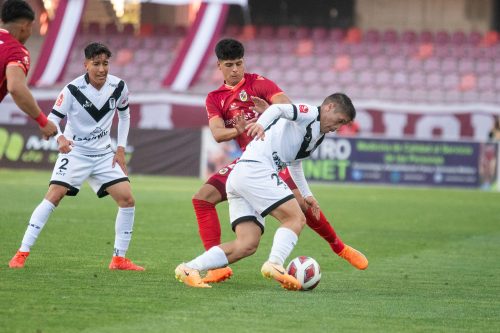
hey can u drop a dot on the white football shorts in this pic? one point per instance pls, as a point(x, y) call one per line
point(254, 189)
point(72, 169)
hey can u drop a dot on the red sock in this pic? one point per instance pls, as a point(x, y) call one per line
point(325, 230)
point(208, 223)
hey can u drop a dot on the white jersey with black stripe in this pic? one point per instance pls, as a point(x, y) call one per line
point(292, 134)
point(90, 112)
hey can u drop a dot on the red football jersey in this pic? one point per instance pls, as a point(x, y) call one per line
point(227, 102)
point(12, 52)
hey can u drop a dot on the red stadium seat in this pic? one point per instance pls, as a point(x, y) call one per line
point(111, 29)
point(409, 37)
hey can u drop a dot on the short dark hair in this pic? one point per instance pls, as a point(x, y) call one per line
point(344, 102)
point(229, 49)
point(13, 10)
point(94, 49)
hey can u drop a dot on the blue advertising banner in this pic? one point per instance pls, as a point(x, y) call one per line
point(404, 162)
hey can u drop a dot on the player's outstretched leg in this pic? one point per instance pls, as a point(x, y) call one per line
point(190, 277)
point(277, 272)
point(354, 257)
point(38, 219)
point(218, 275)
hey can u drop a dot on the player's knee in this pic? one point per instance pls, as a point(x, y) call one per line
point(55, 195)
point(208, 194)
point(199, 196)
point(246, 248)
point(126, 202)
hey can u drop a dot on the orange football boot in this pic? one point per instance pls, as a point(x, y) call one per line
point(354, 257)
point(18, 259)
point(218, 275)
point(124, 264)
point(278, 272)
point(190, 277)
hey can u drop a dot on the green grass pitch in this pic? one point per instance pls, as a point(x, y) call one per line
point(434, 264)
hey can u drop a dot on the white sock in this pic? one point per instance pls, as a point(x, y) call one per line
point(123, 230)
point(284, 242)
point(37, 221)
point(213, 258)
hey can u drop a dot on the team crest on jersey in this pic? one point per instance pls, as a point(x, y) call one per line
point(60, 100)
point(112, 103)
point(303, 108)
point(243, 96)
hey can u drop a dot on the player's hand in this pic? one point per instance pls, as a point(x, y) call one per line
point(65, 145)
point(260, 104)
point(119, 159)
point(48, 130)
point(311, 202)
point(256, 131)
point(240, 122)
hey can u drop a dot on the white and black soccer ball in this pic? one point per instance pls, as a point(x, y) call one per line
point(306, 270)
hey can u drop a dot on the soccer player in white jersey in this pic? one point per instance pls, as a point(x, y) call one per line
point(284, 135)
point(89, 102)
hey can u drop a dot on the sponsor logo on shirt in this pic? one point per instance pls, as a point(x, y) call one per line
point(303, 108)
point(87, 104)
point(278, 162)
point(232, 121)
point(95, 135)
point(60, 100)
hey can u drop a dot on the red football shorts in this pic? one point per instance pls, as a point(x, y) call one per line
point(219, 179)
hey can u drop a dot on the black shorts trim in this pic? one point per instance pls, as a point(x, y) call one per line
point(72, 191)
point(247, 219)
point(277, 204)
point(102, 191)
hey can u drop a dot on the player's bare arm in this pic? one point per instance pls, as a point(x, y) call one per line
point(281, 99)
point(17, 87)
point(65, 145)
point(119, 159)
point(221, 133)
point(261, 104)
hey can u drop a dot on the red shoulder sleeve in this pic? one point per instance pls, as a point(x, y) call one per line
point(211, 105)
point(265, 88)
point(17, 55)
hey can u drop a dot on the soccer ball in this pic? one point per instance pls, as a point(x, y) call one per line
point(306, 270)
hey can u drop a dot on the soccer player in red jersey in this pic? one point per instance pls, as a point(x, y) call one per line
point(17, 18)
point(237, 102)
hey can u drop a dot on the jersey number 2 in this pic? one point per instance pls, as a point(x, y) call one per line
point(65, 162)
point(278, 179)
